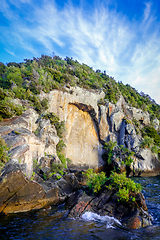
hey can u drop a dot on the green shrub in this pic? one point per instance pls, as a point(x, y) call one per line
point(8, 109)
point(127, 155)
point(59, 125)
point(40, 106)
point(95, 180)
point(52, 117)
point(4, 158)
point(147, 142)
point(124, 185)
point(128, 159)
point(60, 146)
point(149, 131)
point(101, 102)
point(62, 159)
point(127, 120)
point(57, 168)
point(109, 146)
point(155, 149)
point(32, 177)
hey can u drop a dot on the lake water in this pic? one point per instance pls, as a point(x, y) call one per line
point(52, 223)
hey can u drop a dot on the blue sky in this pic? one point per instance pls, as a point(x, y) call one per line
point(119, 36)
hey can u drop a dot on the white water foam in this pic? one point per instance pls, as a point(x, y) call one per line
point(110, 221)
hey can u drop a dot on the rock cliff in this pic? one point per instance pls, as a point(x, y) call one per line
point(89, 124)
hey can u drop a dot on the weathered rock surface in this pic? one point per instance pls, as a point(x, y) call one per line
point(82, 140)
point(146, 164)
point(25, 146)
point(156, 123)
point(26, 120)
point(5, 130)
point(59, 100)
point(131, 214)
point(116, 120)
point(19, 194)
point(79, 110)
point(103, 123)
point(88, 126)
point(48, 135)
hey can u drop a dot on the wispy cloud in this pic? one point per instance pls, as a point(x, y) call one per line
point(10, 52)
point(101, 38)
point(147, 10)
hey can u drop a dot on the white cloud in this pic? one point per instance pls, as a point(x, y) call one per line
point(147, 10)
point(10, 52)
point(103, 39)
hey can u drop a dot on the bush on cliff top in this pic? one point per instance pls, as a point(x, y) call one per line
point(47, 73)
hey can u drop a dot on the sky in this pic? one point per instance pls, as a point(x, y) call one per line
point(121, 37)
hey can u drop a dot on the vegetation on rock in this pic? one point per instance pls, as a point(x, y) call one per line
point(94, 180)
point(125, 187)
point(3, 153)
point(27, 79)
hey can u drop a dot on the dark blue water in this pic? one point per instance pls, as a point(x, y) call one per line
point(52, 223)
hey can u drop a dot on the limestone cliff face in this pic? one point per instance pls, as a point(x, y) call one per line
point(82, 139)
point(58, 100)
point(88, 126)
point(78, 108)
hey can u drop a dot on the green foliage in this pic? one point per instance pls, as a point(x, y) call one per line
point(102, 102)
point(40, 106)
point(14, 75)
point(155, 149)
point(33, 174)
point(60, 146)
point(152, 133)
point(4, 158)
point(128, 159)
point(35, 163)
point(59, 177)
point(126, 155)
point(47, 73)
point(8, 109)
point(94, 180)
point(62, 159)
point(52, 117)
point(124, 185)
point(59, 125)
point(45, 176)
point(57, 168)
point(123, 194)
point(147, 142)
point(4, 93)
point(127, 120)
point(109, 146)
